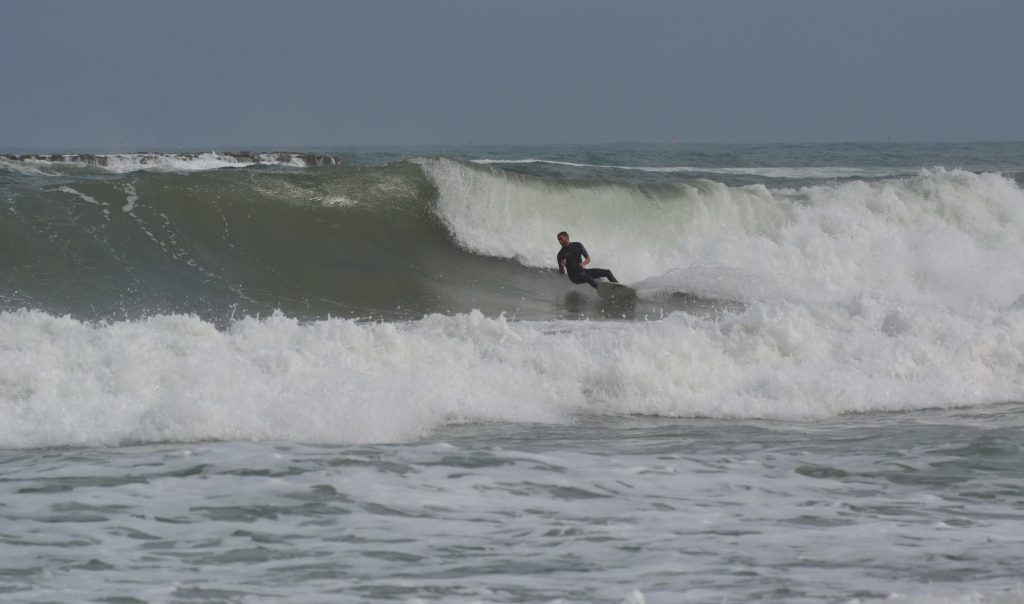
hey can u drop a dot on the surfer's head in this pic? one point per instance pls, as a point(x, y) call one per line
point(563, 238)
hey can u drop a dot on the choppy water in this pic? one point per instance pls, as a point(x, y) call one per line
point(352, 375)
point(927, 506)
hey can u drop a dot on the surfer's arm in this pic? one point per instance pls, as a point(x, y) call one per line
point(586, 256)
point(561, 266)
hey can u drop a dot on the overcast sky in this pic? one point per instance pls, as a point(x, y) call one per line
point(236, 74)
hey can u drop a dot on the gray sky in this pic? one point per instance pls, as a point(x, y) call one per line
point(236, 74)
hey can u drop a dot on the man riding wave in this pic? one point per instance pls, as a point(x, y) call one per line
point(573, 259)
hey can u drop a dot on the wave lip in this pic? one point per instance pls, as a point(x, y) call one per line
point(785, 172)
point(120, 163)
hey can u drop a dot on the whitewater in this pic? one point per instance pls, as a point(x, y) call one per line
point(354, 375)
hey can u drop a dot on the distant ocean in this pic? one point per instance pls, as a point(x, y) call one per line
point(354, 375)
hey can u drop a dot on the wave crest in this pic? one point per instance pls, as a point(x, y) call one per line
point(939, 236)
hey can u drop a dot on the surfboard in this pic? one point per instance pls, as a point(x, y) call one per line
point(615, 291)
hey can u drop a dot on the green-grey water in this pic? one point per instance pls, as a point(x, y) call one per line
point(354, 375)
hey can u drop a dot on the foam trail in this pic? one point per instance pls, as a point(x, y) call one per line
point(80, 195)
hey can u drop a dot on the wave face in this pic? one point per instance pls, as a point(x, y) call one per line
point(375, 301)
point(339, 240)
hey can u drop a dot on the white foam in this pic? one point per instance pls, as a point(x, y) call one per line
point(122, 163)
point(536, 161)
point(22, 167)
point(947, 237)
point(795, 172)
point(176, 378)
point(157, 162)
point(130, 198)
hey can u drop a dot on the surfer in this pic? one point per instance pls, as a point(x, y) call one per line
point(573, 259)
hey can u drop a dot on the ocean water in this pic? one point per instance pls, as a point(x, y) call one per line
point(353, 375)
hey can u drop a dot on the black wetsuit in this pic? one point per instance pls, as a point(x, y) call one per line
point(574, 253)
